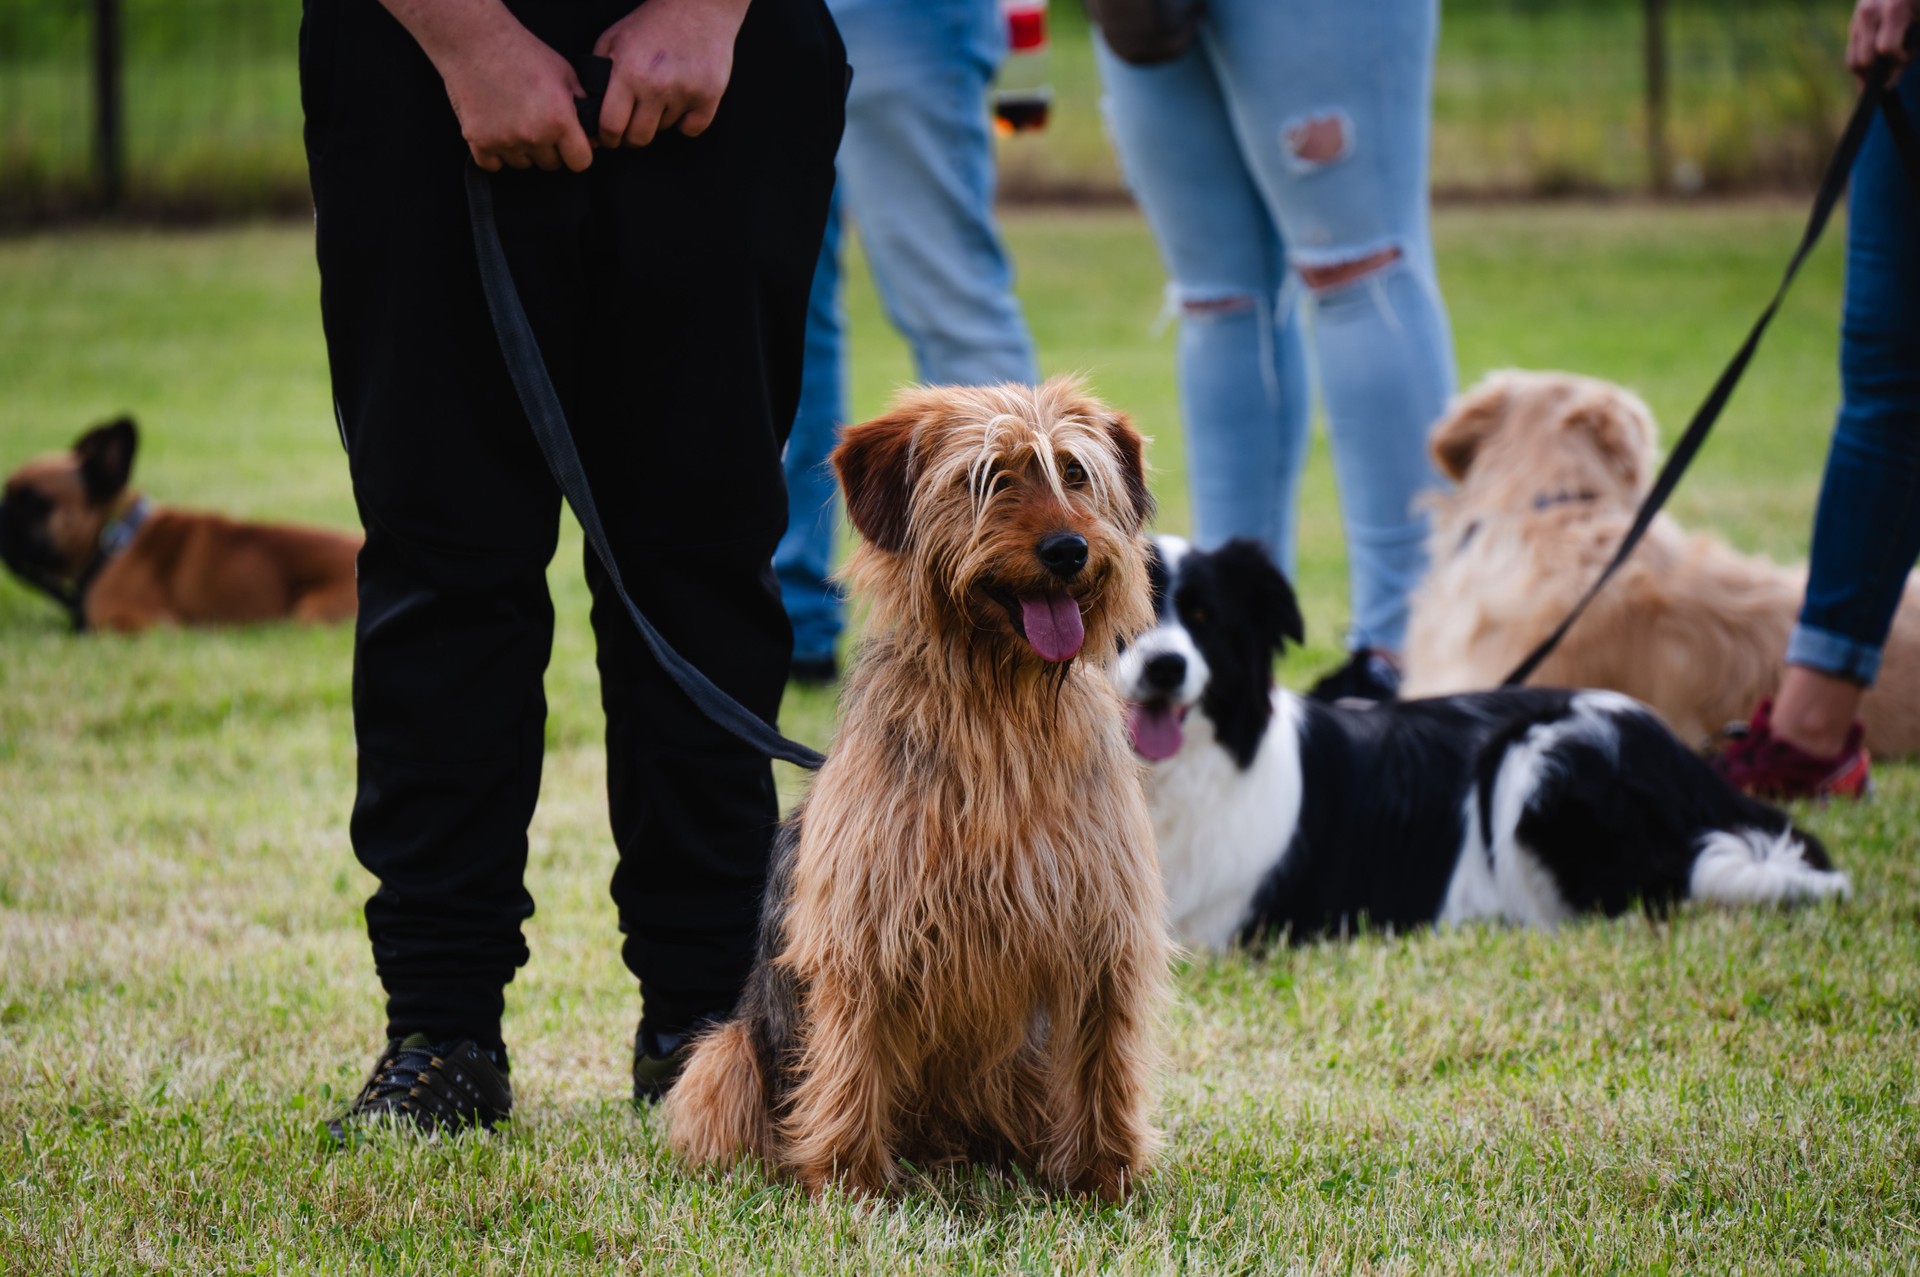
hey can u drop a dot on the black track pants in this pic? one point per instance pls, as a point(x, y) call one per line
point(668, 288)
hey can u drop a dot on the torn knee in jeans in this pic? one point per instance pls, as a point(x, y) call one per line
point(1199, 304)
point(1332, 271)
point(1318, 139)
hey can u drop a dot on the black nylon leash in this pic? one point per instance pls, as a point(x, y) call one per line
point(1832, 186)
point(534, 386)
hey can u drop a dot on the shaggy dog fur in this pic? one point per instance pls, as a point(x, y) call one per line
point(1550, 468)
point(963, 953)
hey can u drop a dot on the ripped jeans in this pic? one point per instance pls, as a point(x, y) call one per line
point(1282, 164)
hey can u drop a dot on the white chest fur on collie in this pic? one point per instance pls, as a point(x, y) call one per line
point(1279, 815)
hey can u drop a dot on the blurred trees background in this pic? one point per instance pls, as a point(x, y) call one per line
point(1532, 98)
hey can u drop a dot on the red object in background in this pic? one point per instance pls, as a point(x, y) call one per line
point(1023, 99)
point(1026, 28)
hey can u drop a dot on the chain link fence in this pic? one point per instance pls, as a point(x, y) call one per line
point(191, 108)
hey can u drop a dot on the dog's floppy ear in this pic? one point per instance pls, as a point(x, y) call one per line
point(1131, 448)
point(1621, 428)
point(875, 463)
point(1474, 418)
point(106, 458)
point(1269, 598)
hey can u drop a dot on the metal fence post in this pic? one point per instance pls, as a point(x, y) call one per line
point(109, 151)
point(1659, 172)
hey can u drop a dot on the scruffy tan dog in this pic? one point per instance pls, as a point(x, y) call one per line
point(1550, 467)
point(963, 953)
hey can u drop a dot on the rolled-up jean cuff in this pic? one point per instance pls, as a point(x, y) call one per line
point(1834, 654)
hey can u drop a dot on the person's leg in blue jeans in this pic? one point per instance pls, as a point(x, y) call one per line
point(916, 179)
point(917, 175)
point(804, 557)
point(1866, 532)
point(1807, 741)
point(1327, 111)
point(1242, 367)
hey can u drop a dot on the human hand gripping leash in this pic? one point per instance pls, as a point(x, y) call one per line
point(531, 382)
point(1875, 95)
point(596, 75)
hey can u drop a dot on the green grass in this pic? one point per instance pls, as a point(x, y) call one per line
point(185, 990)
point(1528, 97)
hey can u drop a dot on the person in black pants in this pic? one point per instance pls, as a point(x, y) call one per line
point(664, 265)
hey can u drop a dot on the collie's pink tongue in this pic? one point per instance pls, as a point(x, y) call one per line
point(1155, 729)
point(1052, 623)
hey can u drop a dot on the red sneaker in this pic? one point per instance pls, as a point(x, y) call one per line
point(1754, 760)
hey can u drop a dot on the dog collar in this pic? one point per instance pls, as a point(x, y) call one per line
point(1566, 496)
point(1541, 501)
point(119, 532)
point(114, 538)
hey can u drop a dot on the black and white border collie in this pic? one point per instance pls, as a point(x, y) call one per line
point(1280, 815)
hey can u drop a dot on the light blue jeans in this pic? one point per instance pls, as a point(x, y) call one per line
point(916, 174)
point(1211, 143)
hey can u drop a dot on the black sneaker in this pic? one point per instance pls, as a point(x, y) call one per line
point(659, 1058)
point(1367, 676)
point(435, 1086)
point(814, 671)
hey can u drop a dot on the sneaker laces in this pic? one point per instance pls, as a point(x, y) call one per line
point(397, 1072)
point(434, 1084)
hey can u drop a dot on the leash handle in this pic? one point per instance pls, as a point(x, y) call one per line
point(531, 382)
point(1833, 185)
point(596, 74)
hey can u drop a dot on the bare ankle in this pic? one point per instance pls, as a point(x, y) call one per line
point(1815, 711)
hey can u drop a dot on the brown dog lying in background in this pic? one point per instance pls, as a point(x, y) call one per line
point(1549, 468)
point(71, 527)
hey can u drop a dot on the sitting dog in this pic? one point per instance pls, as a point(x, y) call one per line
point(1278, 814)
point(1550, 468)
point(71, 527)
point(963, 951)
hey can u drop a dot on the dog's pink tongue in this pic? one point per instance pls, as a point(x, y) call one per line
point(1052, 622)
point(1155, 729)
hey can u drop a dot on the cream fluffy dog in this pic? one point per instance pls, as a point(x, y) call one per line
point(1549, 469)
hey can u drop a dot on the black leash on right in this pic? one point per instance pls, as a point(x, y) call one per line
point(1832, 186)
point(528, 371)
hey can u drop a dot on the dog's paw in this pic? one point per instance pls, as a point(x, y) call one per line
point(860, 1183)
point(1111, 1182)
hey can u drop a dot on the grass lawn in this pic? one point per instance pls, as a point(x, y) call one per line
point(185, 990)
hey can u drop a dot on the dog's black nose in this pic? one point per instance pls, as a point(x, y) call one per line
point(1166, 671)
point(1064, 553)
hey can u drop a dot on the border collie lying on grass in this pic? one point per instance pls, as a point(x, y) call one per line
point(1279, 814)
